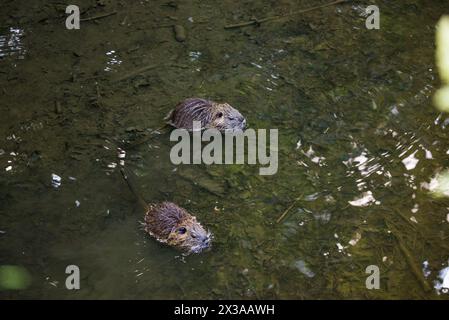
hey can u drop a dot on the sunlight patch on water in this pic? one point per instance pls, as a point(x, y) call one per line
point(411, 161)
point(113, 60)
point(56, 180)
point(11, 44)
point(442, 284)
point(256, 65)
point(314, 158)
point(365, 200)
point(195, 55)
point(12, 157)
point(302, 267)
point(367, 165)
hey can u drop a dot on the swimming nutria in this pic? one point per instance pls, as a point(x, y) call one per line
point(171, 224)
point(221, 116)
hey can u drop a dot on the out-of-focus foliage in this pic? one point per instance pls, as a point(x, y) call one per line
point(14, 278)
point(439, 185)
point(441, 98)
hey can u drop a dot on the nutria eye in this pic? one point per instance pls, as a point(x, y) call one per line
point(182, 230)
point(220, 114)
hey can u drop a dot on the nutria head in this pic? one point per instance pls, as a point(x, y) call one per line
point(225, 117)
point(220, 116)
point(190, 236)
point(174, 226)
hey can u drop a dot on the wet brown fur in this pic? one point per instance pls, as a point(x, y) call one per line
point(163, 221)
point(221, 116)
point(162, 218)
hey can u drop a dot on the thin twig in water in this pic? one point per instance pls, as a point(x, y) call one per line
point(402, 216)
point(409, 259)
point(414, 268)
point(124, 21)
point(148, 68)
point(137, 72)
point(282, 216)
point(98, 91)
point(146, 138)
point(101, 16)
point(259, 21)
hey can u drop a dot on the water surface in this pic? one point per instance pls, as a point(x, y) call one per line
point(358, 137)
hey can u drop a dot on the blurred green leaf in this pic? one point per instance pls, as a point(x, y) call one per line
point(14, 278)
point(439, 185)
point(441, 99)
point(442, 43)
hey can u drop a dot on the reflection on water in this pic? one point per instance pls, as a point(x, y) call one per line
point(442, 283)
point(194, 55)
point(113, 60)
point(365, 200)
point(11, 44)
point(362, 154)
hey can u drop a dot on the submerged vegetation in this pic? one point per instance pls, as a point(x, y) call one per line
point(359, 143)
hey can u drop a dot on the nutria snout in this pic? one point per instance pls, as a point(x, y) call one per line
point(220, 116)
point(174, 226)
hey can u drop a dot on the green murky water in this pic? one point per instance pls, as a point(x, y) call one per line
point(358, 137)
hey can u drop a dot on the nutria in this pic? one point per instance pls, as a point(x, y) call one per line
point(170, 224)
point(221, 116)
